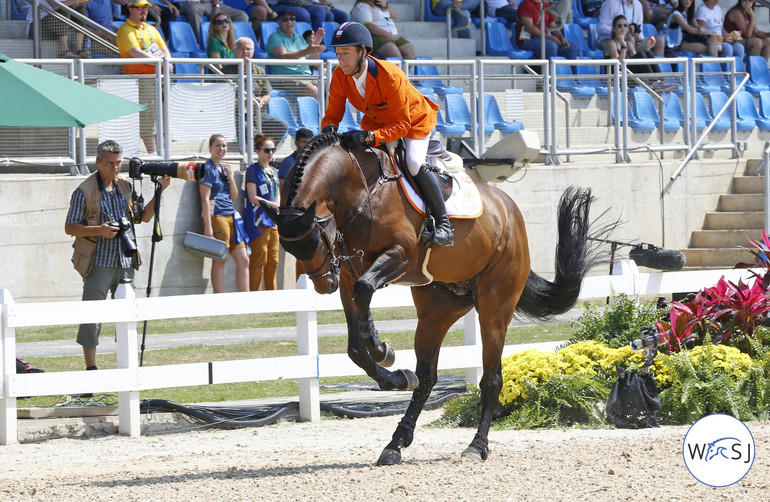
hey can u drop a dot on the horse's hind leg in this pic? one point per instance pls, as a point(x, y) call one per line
point(437, 310)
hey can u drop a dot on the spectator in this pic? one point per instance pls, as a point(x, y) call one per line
point(528, 32)
point(656, 13)
point(52, 28)
point(300, 138)
point(317, 11)
point(501, 8)
point(220, 219)
point(100, 11)
point(622, 45)
point(221, 39)
point(285, 44)
point(138, 39)
point(262, 186)
point(741, 18)
point(100, 255)
point(260, 11)
point(461, 13)
point(378, 18)
point(268, 124)
point(709, 15)
point(194, 12)
point(694, 38)
point(635, 20)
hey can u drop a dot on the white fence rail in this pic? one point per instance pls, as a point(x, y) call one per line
point(307, 366)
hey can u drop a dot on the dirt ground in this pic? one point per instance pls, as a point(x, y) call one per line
point(334, 460)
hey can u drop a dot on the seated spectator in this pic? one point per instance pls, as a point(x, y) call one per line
point(612, 8)
point(52, 28)
point(378, 18)
point(285, 44)
point(741, 18)
point(221, 39)
point(591, 8)
point(262, 187)
point(260, 11)
point(194, 12)
point(709, 15)
point(317, 11)
point(655, 12)
point(505, 9)
point(694, 38)
point(264, 122)
point(300, 138)
point(100, 11)
point(622, 45)
point(461, 13)
point(528, 32)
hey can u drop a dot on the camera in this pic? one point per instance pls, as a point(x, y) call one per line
point(635, 28)
point(125, 235)
point(190, 171)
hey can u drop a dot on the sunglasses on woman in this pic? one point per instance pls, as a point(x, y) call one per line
point(223, 21)
point(268, 150)
point(624, 25)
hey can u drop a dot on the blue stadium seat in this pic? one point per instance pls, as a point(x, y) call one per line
point(646, 109)
point(673, 36)
point(599, 86)
point(702, 111)
point(457, 112)
point(204, 34)
point(666, 68)
point(498, 43)
point(267, 28)
point(574, 33)
point(307, 108)
point(349, 120)
point(19, 10)
point(493, 116)
point(570, 84)
point(445, 128)
point(746, 110)
point(764, 104)
point(718, 100)
point(329, 28)
point(438, 86)
point(672, 109)
point(280, 107)
point(592, 36)
point(712, 79)
point(186, 69)
point(182, 40)
point(759, 75)
point(637, 124)
point(649, 30)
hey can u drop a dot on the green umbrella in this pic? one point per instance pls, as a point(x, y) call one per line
point(31, 97)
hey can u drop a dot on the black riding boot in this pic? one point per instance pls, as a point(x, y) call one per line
point(443, 233)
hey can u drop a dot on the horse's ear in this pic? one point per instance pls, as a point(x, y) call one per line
point(272, 213)
point(309, 215)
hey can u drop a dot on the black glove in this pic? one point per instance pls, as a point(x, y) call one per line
point(354, 139)
point(330, 129)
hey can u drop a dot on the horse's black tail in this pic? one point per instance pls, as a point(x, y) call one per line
point(575, 255)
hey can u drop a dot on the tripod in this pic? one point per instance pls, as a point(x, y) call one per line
point(157, 236)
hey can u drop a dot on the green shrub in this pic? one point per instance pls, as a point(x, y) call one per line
point(616, 324)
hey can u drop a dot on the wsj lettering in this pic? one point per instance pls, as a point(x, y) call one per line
point(724, 448)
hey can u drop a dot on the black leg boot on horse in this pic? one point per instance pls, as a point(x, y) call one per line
point(443, 234)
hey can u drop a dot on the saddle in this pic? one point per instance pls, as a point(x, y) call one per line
point(436, 158)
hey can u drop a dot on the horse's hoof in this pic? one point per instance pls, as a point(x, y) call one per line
point(473, 453)
point(411, 379)
point(389, 457)
point(389, 359)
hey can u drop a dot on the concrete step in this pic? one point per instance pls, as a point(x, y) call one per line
point(724, 238)
point(462, 48)
point(733, 220)
point(13, 29)
point(716, 257)
point(748, 184)
point(421, 29)
point(741, 202)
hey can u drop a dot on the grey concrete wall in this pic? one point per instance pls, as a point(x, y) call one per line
point(35, 251)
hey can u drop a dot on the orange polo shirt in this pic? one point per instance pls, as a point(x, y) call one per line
point(392, 107)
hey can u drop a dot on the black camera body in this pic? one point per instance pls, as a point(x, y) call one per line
point(190, 171)
point(125, 235)
point(635, 28)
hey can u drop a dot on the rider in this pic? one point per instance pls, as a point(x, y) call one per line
point(393, 109)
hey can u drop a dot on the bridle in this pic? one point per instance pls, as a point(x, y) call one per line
point(338, 241)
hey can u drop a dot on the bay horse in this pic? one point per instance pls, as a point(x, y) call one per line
point(343, 215)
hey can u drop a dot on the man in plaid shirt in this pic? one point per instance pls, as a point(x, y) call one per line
point(96, 205)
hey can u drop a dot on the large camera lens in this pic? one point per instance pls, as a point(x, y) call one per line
point(190, 171)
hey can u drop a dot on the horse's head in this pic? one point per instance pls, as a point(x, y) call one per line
point(310, 240)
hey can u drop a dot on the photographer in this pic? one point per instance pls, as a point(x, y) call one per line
point(101, 220)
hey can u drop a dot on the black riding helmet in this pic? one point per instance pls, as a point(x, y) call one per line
point(350, 34)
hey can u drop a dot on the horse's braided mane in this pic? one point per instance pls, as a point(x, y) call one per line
point(315, 143)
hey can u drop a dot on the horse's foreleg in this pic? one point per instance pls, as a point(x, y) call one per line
point(437, 310)
point(385, 268)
